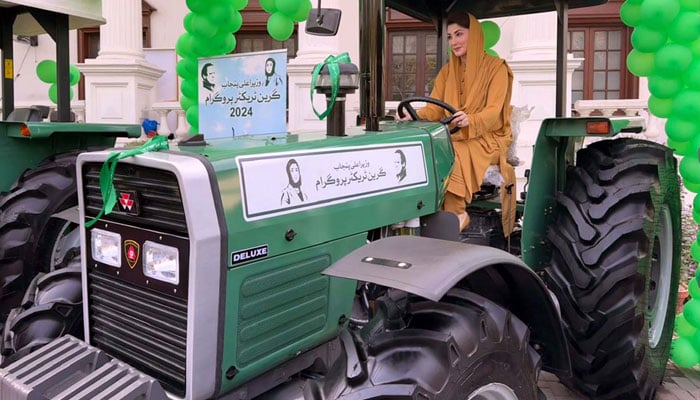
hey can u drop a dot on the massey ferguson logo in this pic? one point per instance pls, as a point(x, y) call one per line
point(128, 202)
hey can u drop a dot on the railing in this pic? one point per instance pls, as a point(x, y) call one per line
point(171, 118)
point(635, 110)
point(77, 107)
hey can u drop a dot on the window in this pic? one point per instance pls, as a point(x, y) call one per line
point(412, 57)
point(597, 35)
point(413, 61)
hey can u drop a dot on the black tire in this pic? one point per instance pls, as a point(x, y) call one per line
point(463, 346)
point(52, 307)
point(615, 266)
point(30, 240)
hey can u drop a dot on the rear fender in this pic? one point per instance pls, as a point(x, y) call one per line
point(430, 267)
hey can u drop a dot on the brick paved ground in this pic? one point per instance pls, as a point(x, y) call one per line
point(679, 384)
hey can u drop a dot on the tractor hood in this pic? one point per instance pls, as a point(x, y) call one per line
point(430, 10)
point(81, 13)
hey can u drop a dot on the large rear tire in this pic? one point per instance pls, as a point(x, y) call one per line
point(615, 266)
point(30, 240)
point(464, 347)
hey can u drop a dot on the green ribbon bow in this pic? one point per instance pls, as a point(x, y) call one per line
point(109, 196)
point(334, 71)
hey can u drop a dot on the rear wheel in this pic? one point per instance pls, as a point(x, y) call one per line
point(31, 241)
point(615, 266)
point(463, 347)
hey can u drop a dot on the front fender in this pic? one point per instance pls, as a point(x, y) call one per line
point(430, 267)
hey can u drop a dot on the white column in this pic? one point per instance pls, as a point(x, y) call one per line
point(535, 37)
point(121, 36)
point(119, 83)
point(313, 50)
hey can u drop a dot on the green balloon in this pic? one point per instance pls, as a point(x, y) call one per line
point(303, 12)
point(189, 88)
point(269, 6)
point(229, 44)
point(693, 287)
point(691, 78)
point(695, 252)
point(192, 116)
point(492, 32)
point(198, 6)
point(648, 40)
point(658, 14)
point(492, 52)
point(280, 27)
point(660, 107)
point(692, 187)
point(663, 87)
point(288, 7)
point(687, 104)
point(690, 5)
point(201, 26)
point(683, 327)
point(187, 22)
point(46, 71)
point(187, 68)
point(630, 13)
point(679, 148)
point(640, 63)
point(696, 206)
point(53, 93)
point(234, 23)
point(185, 46)
point(238, 5)
point(690, 171)
point(691, 312)
point(696, 215)
point(219, 14)
point(187, 102)
point(683, 353)
point(634, 1)
point(672, 59)
point(680, 129)
point(685, 28)
point(74, 75)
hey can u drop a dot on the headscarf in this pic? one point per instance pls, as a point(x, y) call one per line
point(479, 73)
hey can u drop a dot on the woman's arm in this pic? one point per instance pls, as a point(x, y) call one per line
point(490, 118)
point(431, 112)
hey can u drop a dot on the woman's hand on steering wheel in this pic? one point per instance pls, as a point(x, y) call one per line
point(406, 104)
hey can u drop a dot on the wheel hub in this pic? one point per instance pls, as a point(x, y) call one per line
point(493, 391)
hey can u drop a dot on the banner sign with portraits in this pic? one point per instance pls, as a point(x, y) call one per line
point(243, 94)
point(284, 183)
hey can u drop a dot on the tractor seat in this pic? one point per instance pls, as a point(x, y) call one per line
point(27, 114)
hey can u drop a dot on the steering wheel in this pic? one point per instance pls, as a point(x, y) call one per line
point(412, 111)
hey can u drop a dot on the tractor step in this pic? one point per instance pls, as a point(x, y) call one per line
point(68, 368)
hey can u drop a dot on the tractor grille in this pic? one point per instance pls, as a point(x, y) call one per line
point(142, 328)
point(157, 193)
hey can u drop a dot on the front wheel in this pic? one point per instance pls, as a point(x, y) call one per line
point(615, 266)
point(464, 347)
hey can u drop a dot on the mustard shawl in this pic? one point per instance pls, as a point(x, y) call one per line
point(482, 89)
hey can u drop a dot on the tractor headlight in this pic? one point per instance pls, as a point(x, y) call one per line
point(161, 262)
point(106, 247)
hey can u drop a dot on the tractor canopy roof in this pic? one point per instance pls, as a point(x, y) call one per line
point(81, 13)
point(432, 10)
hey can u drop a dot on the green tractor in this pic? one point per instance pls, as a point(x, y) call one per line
point(203, 284)
point(38, 175)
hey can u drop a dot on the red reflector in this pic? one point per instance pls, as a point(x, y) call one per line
point(598, 128)
point(24, 131)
